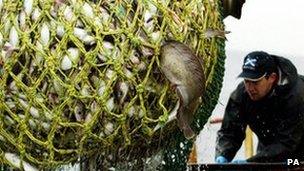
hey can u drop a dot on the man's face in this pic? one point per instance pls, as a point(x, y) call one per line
point(259, 89)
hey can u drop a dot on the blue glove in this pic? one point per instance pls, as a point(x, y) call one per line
point(238, 161)
point(221, 159)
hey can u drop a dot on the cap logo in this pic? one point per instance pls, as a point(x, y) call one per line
point(250, 62)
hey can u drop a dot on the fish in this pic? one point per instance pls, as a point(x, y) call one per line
point(28, 6)
point(121, 92)
point(185, 72)
point(87, 10)
point(210, 33)
point(79, 112)
point(16, 161)
point(14, 37)
point(44, 35)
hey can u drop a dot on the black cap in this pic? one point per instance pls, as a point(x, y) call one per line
point(257, 64)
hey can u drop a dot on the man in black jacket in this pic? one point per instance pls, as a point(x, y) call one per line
point(271, 101)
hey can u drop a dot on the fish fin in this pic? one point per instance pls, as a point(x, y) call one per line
point(185, 115)
point(210, 33)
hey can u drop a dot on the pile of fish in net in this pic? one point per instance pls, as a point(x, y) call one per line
point(83, 79)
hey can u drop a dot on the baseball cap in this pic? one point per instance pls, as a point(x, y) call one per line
point(257, 65)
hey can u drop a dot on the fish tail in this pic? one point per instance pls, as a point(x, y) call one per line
point(184, 121)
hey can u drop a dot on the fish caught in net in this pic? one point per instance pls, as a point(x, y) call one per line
point(82, 79)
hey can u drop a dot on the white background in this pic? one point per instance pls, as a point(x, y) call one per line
point(274, 26)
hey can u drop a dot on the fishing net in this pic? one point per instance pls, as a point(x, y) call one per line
point(81, 79)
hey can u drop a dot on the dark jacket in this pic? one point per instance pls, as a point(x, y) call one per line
point(277, 119)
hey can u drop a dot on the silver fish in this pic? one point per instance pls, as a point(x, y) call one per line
point(209, 33)
point(36, 14)
point(122, 89)
point(14, 37)
point(79, 112)
point(44, 34)
point(1, 4)
point(1, 39)
point(8, 50)
point(87, 10)
point(17, 162)
point(84, 36)
point(28, 7)
point(185, 72)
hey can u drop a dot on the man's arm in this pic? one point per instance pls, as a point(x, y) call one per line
point(232, 132)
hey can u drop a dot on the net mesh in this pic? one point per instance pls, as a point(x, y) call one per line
point(82, 79)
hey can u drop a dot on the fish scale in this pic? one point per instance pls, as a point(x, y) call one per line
point(184, 71)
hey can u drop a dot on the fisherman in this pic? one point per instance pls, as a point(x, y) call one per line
point(270, 101)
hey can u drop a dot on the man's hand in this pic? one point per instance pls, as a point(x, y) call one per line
point(238, 161)
point(221, 159)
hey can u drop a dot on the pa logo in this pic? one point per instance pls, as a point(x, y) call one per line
point(293, 162)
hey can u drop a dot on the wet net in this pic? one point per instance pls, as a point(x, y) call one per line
point(81, 79)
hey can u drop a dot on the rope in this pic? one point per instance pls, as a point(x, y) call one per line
point(80, 78)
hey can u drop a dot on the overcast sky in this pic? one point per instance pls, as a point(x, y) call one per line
point(276, 26)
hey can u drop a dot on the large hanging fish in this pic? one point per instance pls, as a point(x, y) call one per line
point(185, 72)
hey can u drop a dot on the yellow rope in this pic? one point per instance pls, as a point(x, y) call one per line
point(54, 120)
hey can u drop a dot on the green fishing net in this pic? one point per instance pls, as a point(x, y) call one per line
point(80, 79)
